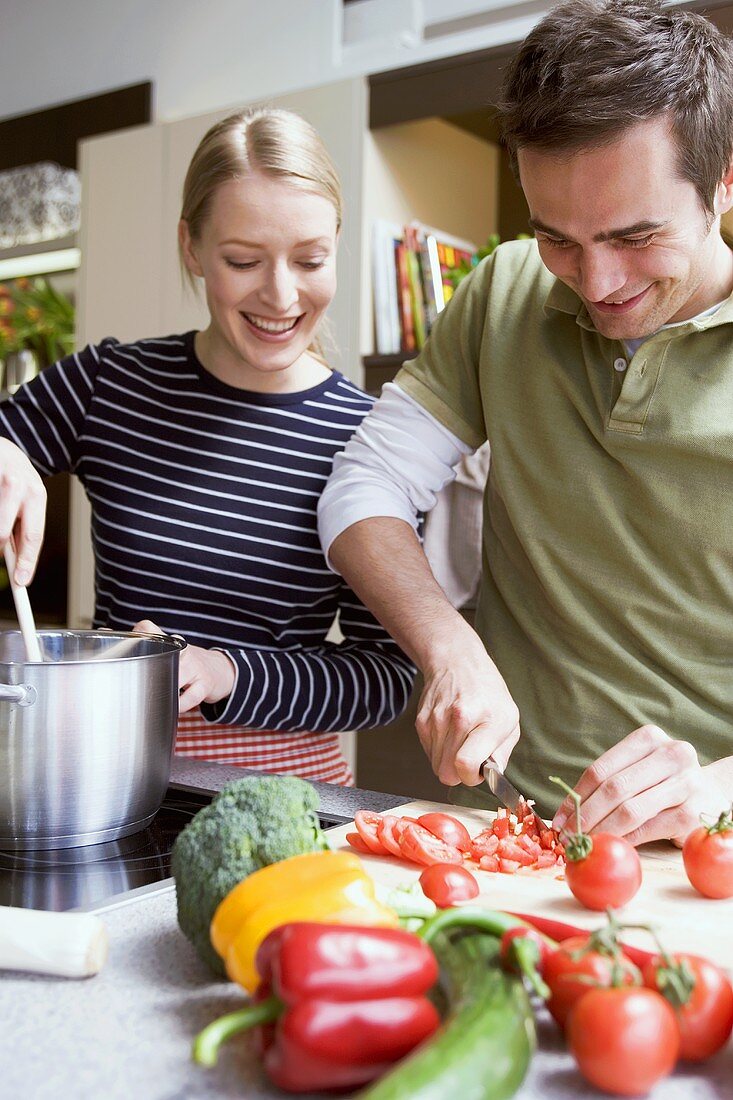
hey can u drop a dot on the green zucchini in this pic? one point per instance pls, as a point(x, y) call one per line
point(483, 1048)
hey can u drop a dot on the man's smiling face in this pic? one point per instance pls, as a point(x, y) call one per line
point(618, 225)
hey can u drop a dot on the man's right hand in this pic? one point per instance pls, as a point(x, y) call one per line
point(466, 715)
point(22, 508)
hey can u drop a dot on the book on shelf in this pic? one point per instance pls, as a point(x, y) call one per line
point(385, 238)
point(411, 268)
point(404, 300)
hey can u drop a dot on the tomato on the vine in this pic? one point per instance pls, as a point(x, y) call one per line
point(708, 857)
point(624, 1039)
point(572, 969)
point(608, 876)
point(603, 871)
point(702, 998)
point(448, 884)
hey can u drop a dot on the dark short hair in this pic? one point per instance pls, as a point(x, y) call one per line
point(590, 70)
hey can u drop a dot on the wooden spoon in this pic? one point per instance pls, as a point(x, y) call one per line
point(22, 607)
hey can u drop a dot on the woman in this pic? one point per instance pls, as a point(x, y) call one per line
point(203, 456)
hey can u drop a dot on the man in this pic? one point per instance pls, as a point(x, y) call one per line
point(598, 362)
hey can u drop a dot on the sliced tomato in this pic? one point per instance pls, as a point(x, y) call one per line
point(400, 825)
point(420, 846)
point(385, 832)
point(367, 824)
point(447, 828)
point(501, 827)
point(355, 841)
point(489, 863)
point(546, 859)
point(508, 866)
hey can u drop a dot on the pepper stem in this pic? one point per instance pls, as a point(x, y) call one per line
point(526, 954)
point(207, 1042)
point(465, 916)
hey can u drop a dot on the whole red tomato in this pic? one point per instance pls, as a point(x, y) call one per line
point(608, 876)
point(603, 871)
point(448, 884)
point(708, 858)
point(705, 1017)
point(573, 967)
point(624, 1039)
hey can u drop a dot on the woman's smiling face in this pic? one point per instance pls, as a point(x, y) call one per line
point(267, 254)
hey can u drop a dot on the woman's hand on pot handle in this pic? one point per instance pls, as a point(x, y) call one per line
point(22, 508)
point(204, 675)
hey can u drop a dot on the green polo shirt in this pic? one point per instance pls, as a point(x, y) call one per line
point(607, 590)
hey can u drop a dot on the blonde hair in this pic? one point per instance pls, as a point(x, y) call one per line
point(276, 142)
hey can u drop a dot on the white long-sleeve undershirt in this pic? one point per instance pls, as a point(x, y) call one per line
point(395, 464)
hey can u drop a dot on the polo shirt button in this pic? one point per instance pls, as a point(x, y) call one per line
point(620, 365)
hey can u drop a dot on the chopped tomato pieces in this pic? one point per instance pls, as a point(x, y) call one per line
point(509, 844)
point(512, 850)
point(484, 844)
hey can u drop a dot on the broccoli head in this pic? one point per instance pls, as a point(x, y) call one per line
point(251, 823)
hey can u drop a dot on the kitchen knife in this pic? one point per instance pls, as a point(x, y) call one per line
point(505, 791)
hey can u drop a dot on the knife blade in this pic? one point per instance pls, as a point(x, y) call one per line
point(505, 791)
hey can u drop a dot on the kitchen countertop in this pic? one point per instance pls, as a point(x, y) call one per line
point(127, 1031)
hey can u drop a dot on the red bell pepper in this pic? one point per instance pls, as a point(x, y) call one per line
point(349, 1002)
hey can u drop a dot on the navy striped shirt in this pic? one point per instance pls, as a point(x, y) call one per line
point(204, 519)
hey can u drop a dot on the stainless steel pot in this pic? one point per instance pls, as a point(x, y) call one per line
point(86, 736)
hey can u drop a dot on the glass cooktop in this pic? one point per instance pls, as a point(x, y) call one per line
point(100, 874)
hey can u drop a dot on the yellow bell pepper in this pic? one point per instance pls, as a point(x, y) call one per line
point(287, 877)
point(339, 894)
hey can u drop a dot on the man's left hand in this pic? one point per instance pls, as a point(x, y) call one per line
point(648, 787)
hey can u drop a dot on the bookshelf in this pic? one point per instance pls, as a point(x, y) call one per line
point(432, 154)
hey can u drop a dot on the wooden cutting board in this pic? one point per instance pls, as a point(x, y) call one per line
point(686, 921)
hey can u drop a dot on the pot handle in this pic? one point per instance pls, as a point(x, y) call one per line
point(24, 695)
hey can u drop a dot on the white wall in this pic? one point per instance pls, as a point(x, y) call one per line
point(203, 56)
point(199, 55)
